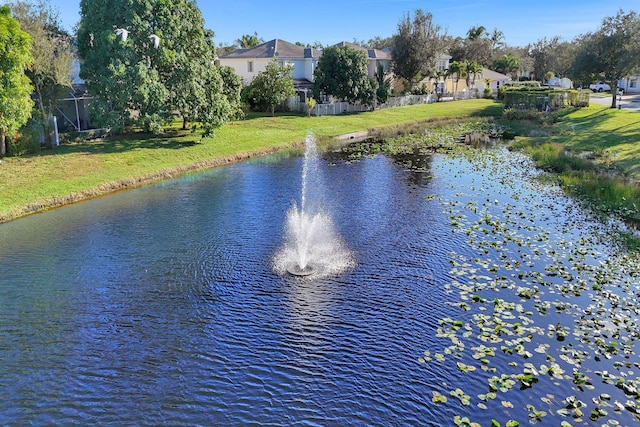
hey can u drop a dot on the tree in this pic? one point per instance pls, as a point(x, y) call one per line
point(232, 88)
point(455, 47)
point(479, 45)
point(441, 77)
point(508, 64)
point(458, 71)
point(342, 73)
point(273, 86)
point(418, 43)
point(15, 86)
point(549, 75)
point(497, 39)
point(383, 83)
point(159, 59)
point(476, 33)
point(472, 69)
point(544, 53)
point(311, 104)
point(249, 40)
point(52, 66)
point(610, 53)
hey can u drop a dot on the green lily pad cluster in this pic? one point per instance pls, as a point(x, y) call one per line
point(523, 273)
point(544, 316)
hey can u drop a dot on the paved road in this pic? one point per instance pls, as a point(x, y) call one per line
point(629, 102)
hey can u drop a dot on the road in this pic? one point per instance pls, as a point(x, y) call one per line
point(629, 102)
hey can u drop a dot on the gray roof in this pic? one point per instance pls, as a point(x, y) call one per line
point(494, 75)
point(275, 48)
point(371, 53)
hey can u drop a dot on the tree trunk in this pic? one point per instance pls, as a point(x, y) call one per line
point(3, 146)
point(48, 143)
point(184, 123)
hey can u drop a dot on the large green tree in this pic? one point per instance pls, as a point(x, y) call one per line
point(544, 54)
point(418, 43)
point(15, 86)
point(143, 60)
point(232, 89)
point(479, 45)
point(342, 73)
point(272, 86)
point(52, 66)
point(610, 53)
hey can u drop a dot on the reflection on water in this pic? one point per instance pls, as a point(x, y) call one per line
point(160, 305)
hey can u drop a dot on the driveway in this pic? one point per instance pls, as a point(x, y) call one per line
point(629, 102)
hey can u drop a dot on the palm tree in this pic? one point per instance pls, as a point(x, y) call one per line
point(508, 64)
point(473, 69)
point(475, 33)
point(456, 69)
point(497, 38)
point(249, 40)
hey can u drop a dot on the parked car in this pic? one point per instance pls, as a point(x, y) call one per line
point(600, 87)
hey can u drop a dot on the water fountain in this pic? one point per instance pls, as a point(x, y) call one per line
point(312, 246)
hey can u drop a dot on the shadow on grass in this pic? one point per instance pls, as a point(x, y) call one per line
point(174, 139)
point(494, 110)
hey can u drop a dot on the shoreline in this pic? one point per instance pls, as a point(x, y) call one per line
point(113, 187)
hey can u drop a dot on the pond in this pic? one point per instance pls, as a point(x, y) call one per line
point(476, 290)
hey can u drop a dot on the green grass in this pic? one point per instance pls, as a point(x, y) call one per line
point(612, 135)
point(77, 171)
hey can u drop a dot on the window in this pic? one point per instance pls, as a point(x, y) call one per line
point(442, 65)
point(250, 66)
point(633, 83)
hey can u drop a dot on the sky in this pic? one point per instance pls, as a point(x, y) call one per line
point(333, 21)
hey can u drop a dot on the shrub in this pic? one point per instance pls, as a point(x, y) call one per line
point(311, 104)
point(26, 141)
point(423, 89)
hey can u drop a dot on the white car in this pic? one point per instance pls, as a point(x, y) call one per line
point(600, 87)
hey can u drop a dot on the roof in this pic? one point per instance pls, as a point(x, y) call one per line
point(275, 48)
point(494, 75)
point(371, 53)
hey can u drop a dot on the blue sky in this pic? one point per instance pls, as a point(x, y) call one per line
point(332, 21)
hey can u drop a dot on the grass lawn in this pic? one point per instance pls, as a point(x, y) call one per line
point(613, 135)
point(77, 171)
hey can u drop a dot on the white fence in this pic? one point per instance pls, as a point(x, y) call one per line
point(402, 101)
point(334, 108)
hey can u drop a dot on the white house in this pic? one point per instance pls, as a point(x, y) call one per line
point(247, 63)
point(631, 84)
point(495, 80)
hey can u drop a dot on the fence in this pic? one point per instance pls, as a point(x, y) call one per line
point(334, 108)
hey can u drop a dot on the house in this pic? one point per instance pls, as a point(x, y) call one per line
point(442, 64)
point(477, 84)
point(631, 84)
point(247, 63)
